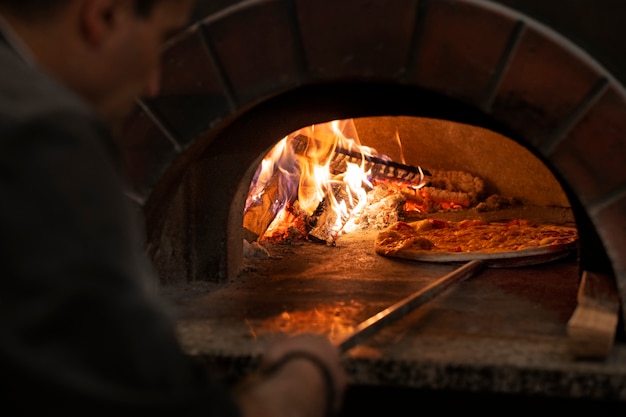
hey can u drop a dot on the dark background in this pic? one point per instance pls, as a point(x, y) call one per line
point(596, 26)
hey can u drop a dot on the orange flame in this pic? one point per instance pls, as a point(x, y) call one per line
point(301, 165)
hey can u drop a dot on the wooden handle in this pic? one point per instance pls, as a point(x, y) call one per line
point(593, 324)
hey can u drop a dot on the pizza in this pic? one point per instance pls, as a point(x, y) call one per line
point(449, 241)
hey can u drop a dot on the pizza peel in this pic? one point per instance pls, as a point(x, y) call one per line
point(473, 265)
point(408, 304)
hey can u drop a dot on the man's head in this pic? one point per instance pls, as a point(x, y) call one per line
point(107, 51)
point(42, 8)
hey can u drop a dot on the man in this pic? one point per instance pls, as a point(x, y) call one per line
point(80, 332)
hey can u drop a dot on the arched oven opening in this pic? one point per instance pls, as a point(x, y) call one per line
point(235, 299)
point(224, 160)
point(230, 96)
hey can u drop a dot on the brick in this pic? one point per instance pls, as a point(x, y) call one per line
point(354, 39)
point(258, 48)
point(591, 157)
point(147, 152)
point(611, 226)
point(544, 84)
point(188, 68)
point(454, 58)
point(192, 96)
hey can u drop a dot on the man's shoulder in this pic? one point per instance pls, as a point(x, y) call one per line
point(27, 93)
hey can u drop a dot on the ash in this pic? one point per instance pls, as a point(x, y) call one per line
point(383, 208)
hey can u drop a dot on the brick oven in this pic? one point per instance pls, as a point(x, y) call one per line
point(550, 119)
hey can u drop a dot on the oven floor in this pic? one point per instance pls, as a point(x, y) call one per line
point(499, 332)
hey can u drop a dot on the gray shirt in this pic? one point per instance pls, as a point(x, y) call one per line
point(79, 329)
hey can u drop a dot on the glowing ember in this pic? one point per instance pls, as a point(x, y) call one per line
point(335, 321)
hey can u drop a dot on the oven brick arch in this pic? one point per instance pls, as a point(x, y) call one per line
point(559, 101)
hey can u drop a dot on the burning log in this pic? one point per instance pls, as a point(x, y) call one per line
point(262, 212)
point(259, 216)
point(445, 190)
point(379, 167)
point(326, 221)
point(383, 207)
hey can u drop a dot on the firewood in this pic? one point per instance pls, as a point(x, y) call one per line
point(260, 214)
point(325, 218)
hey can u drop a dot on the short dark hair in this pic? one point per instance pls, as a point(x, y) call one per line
point(37, 8)
point(144, 7)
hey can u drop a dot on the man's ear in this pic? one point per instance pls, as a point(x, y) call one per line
point(100, 18)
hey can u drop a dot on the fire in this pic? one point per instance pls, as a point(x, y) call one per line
point(299, 174)
point(320, 182)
